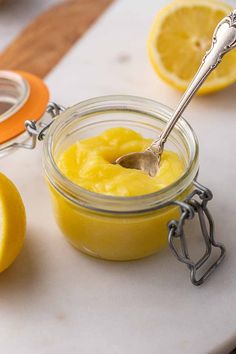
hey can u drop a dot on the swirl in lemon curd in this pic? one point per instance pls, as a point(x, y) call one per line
point(89, 164)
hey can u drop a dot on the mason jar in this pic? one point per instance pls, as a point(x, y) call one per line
point(125, 228)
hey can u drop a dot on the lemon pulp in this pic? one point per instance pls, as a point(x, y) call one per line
point(180, 36)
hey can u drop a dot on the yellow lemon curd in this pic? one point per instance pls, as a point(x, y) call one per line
point(89, 163)
point(124, 236)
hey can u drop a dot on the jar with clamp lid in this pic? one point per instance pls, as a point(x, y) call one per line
point(109, 227)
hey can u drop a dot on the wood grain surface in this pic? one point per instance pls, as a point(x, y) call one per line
point(46, 40)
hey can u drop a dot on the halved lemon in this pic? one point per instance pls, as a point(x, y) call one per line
point(12, 222)
point(180, 36)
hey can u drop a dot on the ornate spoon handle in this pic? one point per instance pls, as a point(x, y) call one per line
point(224, 40)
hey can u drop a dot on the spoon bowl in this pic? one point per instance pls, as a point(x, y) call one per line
point(146, 161)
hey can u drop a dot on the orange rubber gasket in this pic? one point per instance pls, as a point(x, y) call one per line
point(34, 108)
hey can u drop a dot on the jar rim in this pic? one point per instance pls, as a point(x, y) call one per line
point(108, 203)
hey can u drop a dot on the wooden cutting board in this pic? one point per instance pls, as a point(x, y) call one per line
point(41, 45)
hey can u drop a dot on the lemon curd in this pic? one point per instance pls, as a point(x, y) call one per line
point(89, 164)
point(106, 234)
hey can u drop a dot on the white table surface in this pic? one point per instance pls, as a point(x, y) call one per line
point(56, 300)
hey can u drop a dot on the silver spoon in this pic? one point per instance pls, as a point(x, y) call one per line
point(224, 40)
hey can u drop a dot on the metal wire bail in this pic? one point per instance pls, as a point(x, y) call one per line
point(54, 110)
point(36, 131)
point(195, 204)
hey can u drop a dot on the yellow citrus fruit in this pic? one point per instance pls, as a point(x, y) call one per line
point(180, 36)
point(12, 222)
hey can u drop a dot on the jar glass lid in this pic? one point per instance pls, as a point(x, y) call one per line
point(22, 96)
point(14, 92)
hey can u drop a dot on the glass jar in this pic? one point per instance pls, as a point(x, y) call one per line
point(116, 228)
point(119, 228)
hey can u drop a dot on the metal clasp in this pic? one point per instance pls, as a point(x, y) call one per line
point(195, 204)
point(54, 110)
point(36, 130)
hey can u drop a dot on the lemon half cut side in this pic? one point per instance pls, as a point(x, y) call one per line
point(179, 38)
